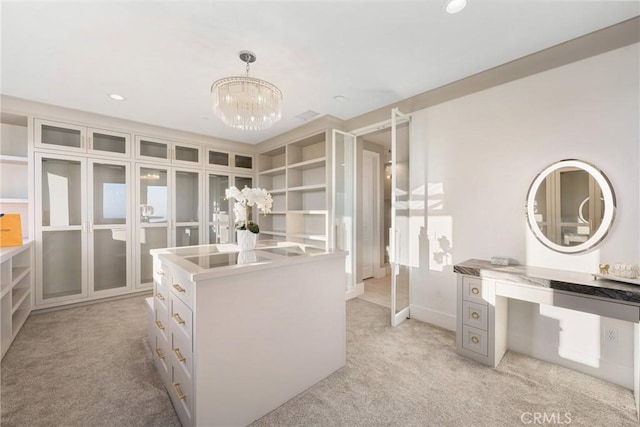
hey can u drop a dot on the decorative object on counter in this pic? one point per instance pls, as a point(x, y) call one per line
point(499, 260)
point(10, 230)
point(619, 272)
point(626, 271)
point(246, 230)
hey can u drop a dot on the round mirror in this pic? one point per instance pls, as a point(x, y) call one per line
point(570, 206)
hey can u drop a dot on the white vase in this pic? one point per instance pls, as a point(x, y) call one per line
point(246, 239)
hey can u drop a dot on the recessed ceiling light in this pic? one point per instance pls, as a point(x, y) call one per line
point(339, 98)
point(455, 6)
point(116, 97)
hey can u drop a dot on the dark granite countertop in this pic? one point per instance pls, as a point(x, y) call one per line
point(569, 281)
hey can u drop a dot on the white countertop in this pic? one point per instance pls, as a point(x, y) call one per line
point(208, 261)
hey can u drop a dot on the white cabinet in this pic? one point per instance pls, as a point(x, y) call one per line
point(14, 166)
point(169, 202)
point(81, 139)
point(222, 368)
point(165, 151)
point(16, 283)
point(83, 228)
point(297, 177)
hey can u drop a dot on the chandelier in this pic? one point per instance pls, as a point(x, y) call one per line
point(245, 102)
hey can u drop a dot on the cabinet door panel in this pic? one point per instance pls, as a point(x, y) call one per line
point(109, 260)
point(62, 264)
point(61, 136)
point(61, 192)
point(109, 194)
point(110, 143)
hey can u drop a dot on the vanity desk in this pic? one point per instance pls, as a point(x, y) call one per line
point(482, 304)
point(236, 334)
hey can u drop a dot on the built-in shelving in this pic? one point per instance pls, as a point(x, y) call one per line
point(14, 170)
point(296, 175)
point(16, 282)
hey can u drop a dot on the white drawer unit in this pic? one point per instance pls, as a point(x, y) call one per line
point(231, 372)
point(475, 319)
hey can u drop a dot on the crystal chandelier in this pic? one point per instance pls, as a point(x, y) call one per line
point(245, 102)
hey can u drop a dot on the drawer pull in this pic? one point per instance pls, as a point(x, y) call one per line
point(475, 340)
point(160, 273)
point(159, 296)
point(179, 355)
point(475, 315)
point(178, 319)
point(179, 393)
point(178, 287)
point(159, 325)
point(160, 355)
point(474, 291)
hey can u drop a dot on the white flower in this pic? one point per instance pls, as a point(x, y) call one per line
point(248, 197)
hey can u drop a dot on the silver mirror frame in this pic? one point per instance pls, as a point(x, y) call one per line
point(609, 206)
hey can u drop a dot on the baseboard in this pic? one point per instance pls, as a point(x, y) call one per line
point(355, 292)
point(379, 273)
point(434, 317)
point(595, 366)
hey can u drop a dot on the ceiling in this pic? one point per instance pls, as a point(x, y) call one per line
point(163, 56)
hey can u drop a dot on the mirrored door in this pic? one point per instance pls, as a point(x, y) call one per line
point(344, 200)
point(399, 243)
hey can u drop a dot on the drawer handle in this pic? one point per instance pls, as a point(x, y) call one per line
point(475, 315)
point(160, 355)
point(475, 340)
point(160, 273)
point(160, 325)
point(179, 393)
point(178, 319)
point(159, 296)
point(474, 291)
point(179, 355)
point(178, 287)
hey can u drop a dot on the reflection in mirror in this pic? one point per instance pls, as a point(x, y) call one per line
point(570, 206)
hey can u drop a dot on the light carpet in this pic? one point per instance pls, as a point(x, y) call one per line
point(90, 366)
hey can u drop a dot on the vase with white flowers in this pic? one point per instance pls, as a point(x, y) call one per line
point(246, 230)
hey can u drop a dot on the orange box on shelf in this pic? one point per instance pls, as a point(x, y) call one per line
point(10, 230)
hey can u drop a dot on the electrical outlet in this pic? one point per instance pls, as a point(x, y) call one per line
point(611, 335)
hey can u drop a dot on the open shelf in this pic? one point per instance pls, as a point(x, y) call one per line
point(275, 171)
point(13, 160)
point(309, 164)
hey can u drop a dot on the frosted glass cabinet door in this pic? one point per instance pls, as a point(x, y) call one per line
point(109, 142)
point(187, 207)
point(218, 217)
point(152, 221)
point(61, 259)
point(61, 263)
point(61, 136)
point(108, 239)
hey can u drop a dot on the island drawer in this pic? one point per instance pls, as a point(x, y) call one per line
point(181, 393)
point(181, 353)
point(182, 287)
point(181, 319)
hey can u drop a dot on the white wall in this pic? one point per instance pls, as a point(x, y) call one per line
point(479, 153)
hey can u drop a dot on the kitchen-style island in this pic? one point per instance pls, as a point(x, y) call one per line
point(236, 334)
